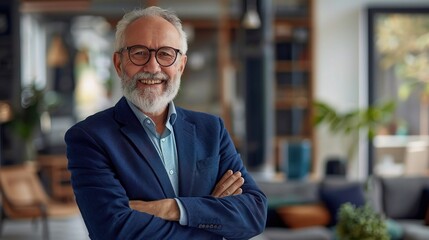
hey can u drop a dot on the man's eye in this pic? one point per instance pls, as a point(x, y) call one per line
point(164, 54)
point(139, 54)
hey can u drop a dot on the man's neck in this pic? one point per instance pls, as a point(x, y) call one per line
point(159, 118)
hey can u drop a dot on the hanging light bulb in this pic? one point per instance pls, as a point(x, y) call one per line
point(251, 18)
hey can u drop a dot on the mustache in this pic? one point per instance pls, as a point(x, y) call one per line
point(150, 76)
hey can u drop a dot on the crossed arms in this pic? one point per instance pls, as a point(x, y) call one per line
point(167, 209)
point(106, 178)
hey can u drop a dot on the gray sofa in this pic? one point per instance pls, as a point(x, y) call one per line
point(402, 200)
point(405, 201)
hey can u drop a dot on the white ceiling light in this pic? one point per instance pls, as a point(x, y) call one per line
point(251, 18)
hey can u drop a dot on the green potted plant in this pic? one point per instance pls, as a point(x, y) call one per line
point(26, 121)
point(360, 223)
point(349, 124)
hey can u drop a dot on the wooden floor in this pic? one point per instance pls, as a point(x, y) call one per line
point(71, 228)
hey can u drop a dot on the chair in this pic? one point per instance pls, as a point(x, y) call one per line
point(23, 197)
point(54, 169)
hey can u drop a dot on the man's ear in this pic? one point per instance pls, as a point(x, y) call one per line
point(117, 63)
point(182, 65)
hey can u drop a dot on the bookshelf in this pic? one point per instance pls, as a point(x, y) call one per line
point(292, 78)
point(293, 83)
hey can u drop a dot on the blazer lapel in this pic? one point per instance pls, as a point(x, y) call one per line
point(133, 130)
point(184, 133)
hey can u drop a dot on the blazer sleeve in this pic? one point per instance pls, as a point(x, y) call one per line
point(103, 201)
point(234, 217)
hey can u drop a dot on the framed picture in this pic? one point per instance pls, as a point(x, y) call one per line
point(398, 63)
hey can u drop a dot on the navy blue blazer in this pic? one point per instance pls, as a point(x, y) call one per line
point(112, 161)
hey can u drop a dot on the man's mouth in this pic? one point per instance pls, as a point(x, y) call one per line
point(150, 81)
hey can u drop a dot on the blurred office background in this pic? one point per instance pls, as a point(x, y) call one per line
point(262, 65)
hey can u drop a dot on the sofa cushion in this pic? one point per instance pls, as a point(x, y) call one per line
point(334, 196)
point(289, 193)
point(303, 216)
point(395, 189)
point(395, 230)
point(415, 230)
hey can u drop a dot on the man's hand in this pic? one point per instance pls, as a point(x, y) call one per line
point(166, 209)
point(229, 184)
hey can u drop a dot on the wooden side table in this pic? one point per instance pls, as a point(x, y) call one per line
point(54, 167)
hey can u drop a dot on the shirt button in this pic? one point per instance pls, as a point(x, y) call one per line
point(171, 172)
point(148, 121)
point(163, 140)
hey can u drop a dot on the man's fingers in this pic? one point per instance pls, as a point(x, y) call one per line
point(228, 174)
point(229, 184)
point(234, 188)
point(219, 188)
point(238, 192)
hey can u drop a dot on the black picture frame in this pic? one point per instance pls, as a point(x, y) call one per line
point(372, 13)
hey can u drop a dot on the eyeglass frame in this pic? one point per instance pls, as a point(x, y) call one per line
point(150, 54)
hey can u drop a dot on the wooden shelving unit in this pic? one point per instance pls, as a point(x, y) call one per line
point(293, 77)
point(294, 85)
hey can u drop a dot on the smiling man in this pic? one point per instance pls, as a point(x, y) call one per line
point(147, 169)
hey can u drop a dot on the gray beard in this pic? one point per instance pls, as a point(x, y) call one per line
point(149, 100)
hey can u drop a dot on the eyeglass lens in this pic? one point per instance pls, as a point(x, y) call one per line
point(140, 55)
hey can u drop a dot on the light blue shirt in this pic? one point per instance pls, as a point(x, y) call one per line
point(165, 145)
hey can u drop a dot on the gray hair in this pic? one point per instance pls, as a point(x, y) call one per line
point(130, 17)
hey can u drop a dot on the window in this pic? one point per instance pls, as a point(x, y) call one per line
point(398, 63)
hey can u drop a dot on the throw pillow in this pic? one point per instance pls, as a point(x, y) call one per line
point(335, 196)
point(307, 215)
point(395, 230)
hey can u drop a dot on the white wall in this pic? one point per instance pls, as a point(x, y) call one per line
point(340, 67)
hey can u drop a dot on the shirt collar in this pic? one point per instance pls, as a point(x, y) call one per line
point(172, 114)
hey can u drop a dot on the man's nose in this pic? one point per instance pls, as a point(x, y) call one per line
point(152, 66)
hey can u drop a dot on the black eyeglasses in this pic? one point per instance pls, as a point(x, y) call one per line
point(140, 55)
